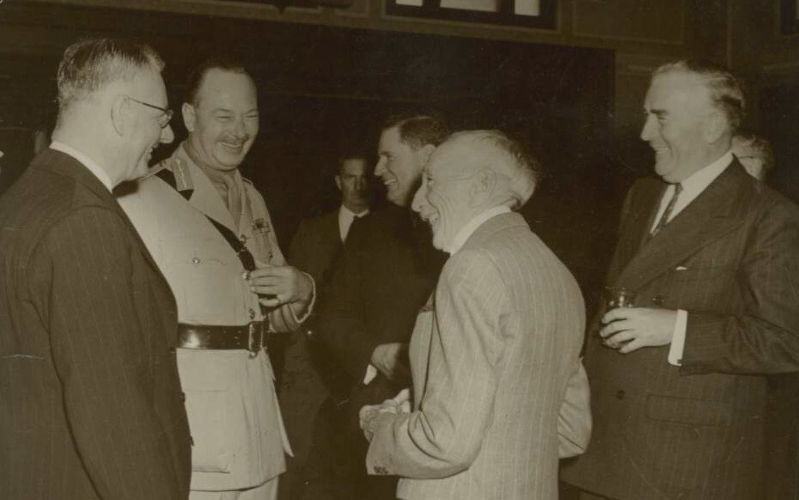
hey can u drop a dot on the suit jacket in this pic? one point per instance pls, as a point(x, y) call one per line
point(491, 356)
point(316, 245)
point(309, 374)
point(385, 274)
point(731, 260)
point(230, 397)
point(90, 403)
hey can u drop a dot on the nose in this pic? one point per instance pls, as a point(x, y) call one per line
point(167, 135)
point(646, 131)
point(360, 183)
point(380, 168)
point(419, 201)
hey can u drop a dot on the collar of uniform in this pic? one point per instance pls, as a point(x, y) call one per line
point(467, 230)
point(87, 162)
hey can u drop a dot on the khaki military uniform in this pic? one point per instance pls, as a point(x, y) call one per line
point(235, 422)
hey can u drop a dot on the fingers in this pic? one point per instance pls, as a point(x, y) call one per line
point(631, 346)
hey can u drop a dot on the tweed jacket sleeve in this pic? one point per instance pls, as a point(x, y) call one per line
point(444, 434)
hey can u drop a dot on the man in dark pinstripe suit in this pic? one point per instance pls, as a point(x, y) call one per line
point(679, 385)
point(90, 402)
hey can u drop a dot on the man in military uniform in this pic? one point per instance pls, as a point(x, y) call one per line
point(210, 232)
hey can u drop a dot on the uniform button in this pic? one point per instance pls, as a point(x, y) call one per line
point(252, 313)
point(620, 395)
point(657, 300)
point(196, 260)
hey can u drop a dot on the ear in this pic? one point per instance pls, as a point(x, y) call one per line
point(714, 127)
point(120, 115)
point(482, 187)
point(338, 182)
point(423, 153)
point(189, 116)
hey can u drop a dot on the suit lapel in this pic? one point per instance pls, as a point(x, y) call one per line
point(714, 213)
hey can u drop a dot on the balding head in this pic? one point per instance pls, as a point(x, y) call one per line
point(469, 173)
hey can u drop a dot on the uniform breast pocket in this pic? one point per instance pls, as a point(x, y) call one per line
point(207, 383)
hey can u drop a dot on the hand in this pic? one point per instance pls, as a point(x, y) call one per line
point(368, 414)
point(366, 417)
point(386, 358)
point(278, 285)
point(631, 328)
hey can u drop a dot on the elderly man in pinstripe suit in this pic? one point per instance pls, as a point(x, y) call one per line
point(496, 345)
point(90, 401)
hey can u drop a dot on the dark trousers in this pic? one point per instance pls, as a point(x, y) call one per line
point(336, 468)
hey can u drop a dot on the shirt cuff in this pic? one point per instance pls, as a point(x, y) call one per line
point(678, 338)
point(309, 310)
point(371, 373)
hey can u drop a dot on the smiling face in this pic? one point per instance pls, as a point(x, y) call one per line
point(223, 122)
point(678, 109)
point(146, 131)
point(444, 199)
point(399, 167)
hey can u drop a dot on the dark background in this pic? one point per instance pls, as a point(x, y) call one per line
point(323, 89)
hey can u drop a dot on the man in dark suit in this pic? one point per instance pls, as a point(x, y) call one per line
point(386, 272)
point(309, 374)
point(712, 257)
point(90, 402)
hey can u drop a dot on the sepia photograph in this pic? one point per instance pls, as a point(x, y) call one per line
point(399, 249)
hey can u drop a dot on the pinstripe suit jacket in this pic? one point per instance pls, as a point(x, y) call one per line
point(731, 259)
point(90, 403)
point(491, 356)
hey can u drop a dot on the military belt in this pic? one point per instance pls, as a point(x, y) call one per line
point(250, 337)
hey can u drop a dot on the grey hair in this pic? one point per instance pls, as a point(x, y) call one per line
point(493, 149)
point(89, 65)
point(726, 92)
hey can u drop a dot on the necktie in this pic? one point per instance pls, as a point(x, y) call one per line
point(664, 219)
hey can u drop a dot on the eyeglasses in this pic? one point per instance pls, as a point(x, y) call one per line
point(166, 116)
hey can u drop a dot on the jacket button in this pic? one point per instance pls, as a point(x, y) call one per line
point(657, 300)
point(620, 395)
point(251, 312)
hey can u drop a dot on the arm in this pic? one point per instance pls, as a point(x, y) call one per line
point(574, 417)
point(444, 435)
point(764, 337)
point(102, 356)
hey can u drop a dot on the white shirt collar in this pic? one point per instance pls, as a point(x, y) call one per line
point(693, 186)
point(345, 219)
point(87, 162)
point(470, 227)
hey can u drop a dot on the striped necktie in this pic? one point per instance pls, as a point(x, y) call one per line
point(664, 219)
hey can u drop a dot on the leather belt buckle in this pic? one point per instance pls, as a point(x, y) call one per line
point(255, 337)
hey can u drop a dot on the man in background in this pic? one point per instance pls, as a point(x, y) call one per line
point(90, 402)
point(210, 232)
point(310, 375)
point(386, 272)
point(712, 259)
point(754, 153)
